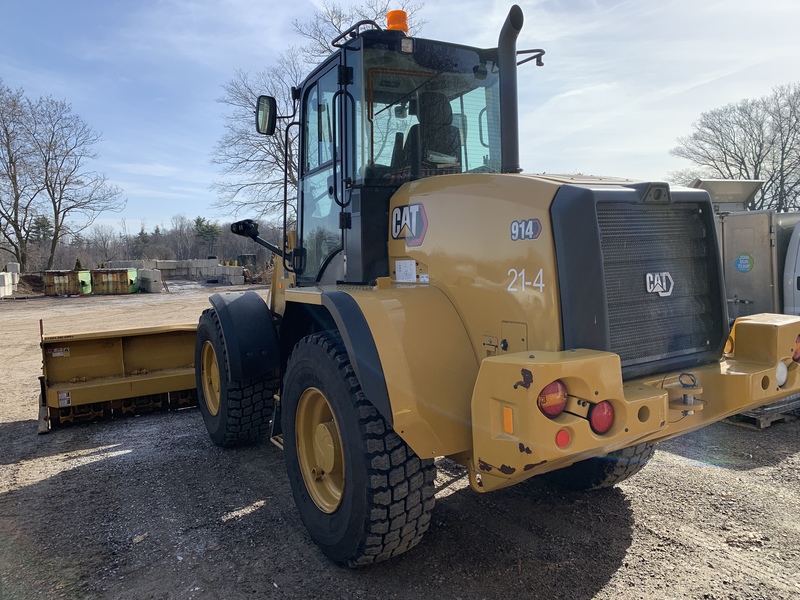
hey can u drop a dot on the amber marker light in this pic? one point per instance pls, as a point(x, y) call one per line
point(552, 399)
point(397, 20)
point(508, 420)
point(796, 355)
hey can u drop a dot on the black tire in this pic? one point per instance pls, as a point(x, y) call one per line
point(54, 418)
point(235, 412)
point(598, 473)
point(370, 497)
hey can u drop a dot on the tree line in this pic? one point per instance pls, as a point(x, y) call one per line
point(183, 238)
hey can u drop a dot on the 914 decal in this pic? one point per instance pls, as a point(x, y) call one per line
point(529, 229)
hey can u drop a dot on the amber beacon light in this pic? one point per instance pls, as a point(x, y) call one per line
point(397, 20)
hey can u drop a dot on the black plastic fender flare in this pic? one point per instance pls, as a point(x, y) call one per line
point(361, 349)
point(249, 332)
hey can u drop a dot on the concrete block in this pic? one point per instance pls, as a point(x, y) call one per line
point(14, 277)
point(150, 281)
point(6, 287)
point(122, 264)
point(150, 275)
point(151, 287)
point(162, 265)
point(237, 279)
point(12, 267)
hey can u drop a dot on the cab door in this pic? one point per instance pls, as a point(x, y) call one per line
point(320, 235)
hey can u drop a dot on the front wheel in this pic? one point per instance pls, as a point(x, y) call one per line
point(235, 412)
point(362, 493)
point(604, 472)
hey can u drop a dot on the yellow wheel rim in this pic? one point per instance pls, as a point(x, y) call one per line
point(319, 450)
point(210, 375)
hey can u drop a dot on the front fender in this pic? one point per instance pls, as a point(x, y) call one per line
point(250, 335)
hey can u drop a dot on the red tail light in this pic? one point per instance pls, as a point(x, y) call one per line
point(563, 438)
point(553, 399)
point(601, 417)
point(796, 355)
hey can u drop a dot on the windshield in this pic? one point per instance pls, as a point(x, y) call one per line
point(431, 112)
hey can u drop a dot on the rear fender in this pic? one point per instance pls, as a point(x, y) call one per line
point(425, 362)
point(251, 338)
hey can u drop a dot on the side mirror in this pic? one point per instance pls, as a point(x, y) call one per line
point(266, 112)
point(246, 228)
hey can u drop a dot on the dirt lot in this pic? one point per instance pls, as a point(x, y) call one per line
point(149, 508)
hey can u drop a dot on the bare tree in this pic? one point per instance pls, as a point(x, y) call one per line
point(104, 242)
point(181, 237)
point(18, 188)
point(252, 166)
point(44, 153)
point(62, 144)
point(750, 139)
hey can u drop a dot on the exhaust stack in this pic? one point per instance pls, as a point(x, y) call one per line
point(509, 111)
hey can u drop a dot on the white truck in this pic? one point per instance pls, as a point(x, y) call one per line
point(760, 252)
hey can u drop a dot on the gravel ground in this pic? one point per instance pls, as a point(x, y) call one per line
point(148, 507)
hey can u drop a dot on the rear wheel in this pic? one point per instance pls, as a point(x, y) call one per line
point(362, 493)
point(235, 412)
point(597, 473)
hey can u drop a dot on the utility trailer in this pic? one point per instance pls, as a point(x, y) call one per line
point(118, 373)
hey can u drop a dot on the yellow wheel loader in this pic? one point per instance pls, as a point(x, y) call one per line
point(433, 301)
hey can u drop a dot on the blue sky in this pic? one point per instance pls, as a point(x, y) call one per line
point(622, 79)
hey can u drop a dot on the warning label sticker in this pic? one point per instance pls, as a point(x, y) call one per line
point(64, 399)
point(405, 271)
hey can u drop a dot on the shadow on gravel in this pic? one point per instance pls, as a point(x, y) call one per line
point(20, 440)
point(530, 541)
point(157, 511)
point(736, 447)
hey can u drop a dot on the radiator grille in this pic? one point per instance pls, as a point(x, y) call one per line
point(641, 239)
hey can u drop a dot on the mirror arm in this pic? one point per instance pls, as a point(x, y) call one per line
point(262, 242)
point(248, 228)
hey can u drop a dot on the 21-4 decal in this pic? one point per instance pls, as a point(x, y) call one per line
point(519, 282)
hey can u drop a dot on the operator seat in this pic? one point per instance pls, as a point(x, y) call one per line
point(434, 145)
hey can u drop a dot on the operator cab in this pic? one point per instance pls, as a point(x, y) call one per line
point(384, 109)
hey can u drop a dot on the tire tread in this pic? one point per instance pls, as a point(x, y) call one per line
point(604, 472)
point(399, 499)
point(250, 402)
